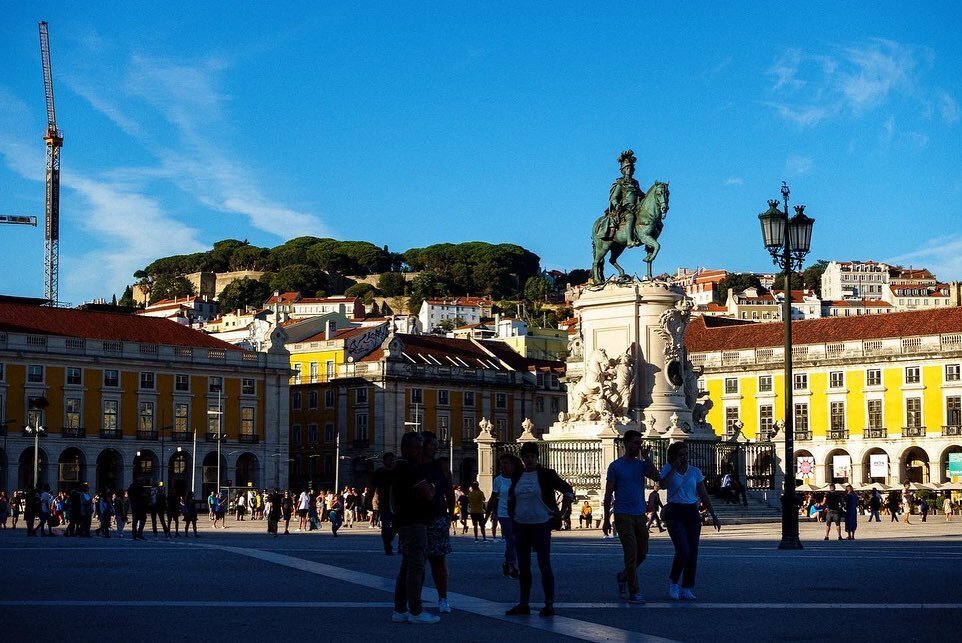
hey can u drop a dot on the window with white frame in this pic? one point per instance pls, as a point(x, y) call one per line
point(215, 383)
point(74, 376)
point(182, 383)
point(72, 411)
point(764, 383)
point(147, 381)
point(766, 420)
point(500, 400)
point(360, 396)
point(360, 426)
point(146, 424)
point(213, 418)
point(874, 408)
point(417, 396)
point(873, 377)
point(913, 375)
point(312, 400)
point(731, 385)
point(836, 379)
point(952, 372)
point(731, 421)
point(953, 410)
point(444, 397)
point(468, 398)
point(801, 417)
point(800, 381)
point(35, 374)
point(913, 412)
point(247, 425)
point(444, 427)
point(468, 427)
point(111, 415)
point(181, 417)
point(248, 386)
point(837, 416)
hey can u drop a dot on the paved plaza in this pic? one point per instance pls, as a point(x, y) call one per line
point(896, 582)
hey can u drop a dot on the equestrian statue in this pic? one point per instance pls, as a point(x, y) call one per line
point(633, 218)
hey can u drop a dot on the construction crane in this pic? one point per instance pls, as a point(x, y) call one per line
point(54, 140)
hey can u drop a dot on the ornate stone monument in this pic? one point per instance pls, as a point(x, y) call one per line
point(627, 367)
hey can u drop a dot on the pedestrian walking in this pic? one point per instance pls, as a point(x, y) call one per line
point(874, 504)
point(654, 507)
point(137, 494)
point(437, 472)
point(685, 485)
point(476, 501)
point(190, 514)
point(532, 506)
point(908, 499)
point(499, 494)
point(411, 494)
point(625, 485)
point(834, 513)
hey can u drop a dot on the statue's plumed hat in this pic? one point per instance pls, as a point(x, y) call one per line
point(628, 156)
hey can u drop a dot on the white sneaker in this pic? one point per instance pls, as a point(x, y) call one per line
point(444, 607)
point(399, 617)
point(673, 591)
point(687, 594)
point(424, 617)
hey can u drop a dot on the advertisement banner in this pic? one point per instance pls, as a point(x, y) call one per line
point(805, 467)
point(955, 464)
point(879, 465)
point(840, 466)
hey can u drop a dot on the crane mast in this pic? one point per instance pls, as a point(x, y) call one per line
point(54, 140)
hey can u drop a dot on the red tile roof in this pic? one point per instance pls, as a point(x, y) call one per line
point(707, 334)
point(68, 322)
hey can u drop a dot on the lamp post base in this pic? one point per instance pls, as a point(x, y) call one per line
point(790, 542)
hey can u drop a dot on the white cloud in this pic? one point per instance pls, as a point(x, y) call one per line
point(942, 256)
point(804, 116)
point(734, 180)
point(798, 165)
point(949, 108)
point(873, 72)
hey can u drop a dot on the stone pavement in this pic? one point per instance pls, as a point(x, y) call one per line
point(896, 582)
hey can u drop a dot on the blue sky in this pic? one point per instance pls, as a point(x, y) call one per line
point(409, 124)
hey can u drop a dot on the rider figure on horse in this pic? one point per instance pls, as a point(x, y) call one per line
point(623, 201)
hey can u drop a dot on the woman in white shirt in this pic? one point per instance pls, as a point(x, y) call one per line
point(685, 485)
point(532, 507)
point(499, 498)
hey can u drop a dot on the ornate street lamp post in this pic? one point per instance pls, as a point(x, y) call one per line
point(788, 240)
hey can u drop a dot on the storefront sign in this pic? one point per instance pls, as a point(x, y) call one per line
point(955, 464)
point(805, 467)
point(879, 465)
point(840, 466)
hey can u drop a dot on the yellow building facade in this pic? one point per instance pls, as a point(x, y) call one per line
point(874, 398)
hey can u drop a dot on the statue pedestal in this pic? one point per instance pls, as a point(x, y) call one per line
point(647, 320)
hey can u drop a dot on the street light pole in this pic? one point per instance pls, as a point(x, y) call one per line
point(788, 241)
point(37, 431)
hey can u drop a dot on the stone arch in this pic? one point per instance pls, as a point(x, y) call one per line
point(943, 475)
point(209, 468)
point(837, 475)
point(866, 460)
point(246, 471)
point(146, 467)
point(110, 470)
point(914, 465)
point(180, 472)
point(71, 469)
point(26, 468)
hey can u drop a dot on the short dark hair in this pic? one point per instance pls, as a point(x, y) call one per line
point(674, 448)
point(529, 447)
point(631, 434)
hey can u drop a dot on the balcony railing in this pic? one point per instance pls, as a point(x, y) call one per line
point(111, 434)
point(876, 432)
point(181, 436)
point(212, 437)
point(952, 430)
point(913, 431)
point(838, 434)
point(73, 432)
point(803, 435)
point(362, 444)
point(248, 438)
point(146, 434)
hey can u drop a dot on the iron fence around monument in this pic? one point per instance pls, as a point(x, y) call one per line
point(577, 461)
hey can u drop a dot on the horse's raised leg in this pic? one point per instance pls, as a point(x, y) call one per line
point(598, 263)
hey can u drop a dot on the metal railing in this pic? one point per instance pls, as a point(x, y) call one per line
point(803, 435)
point(73, 432)
point(877, 432)
point(181, 436)
point(248, 438)
point(951, 430)
point(111, 434)
point(913, 431)
point(146, 434)
point(837, 434)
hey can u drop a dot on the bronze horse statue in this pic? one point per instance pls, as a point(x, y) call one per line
point(649, 222)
